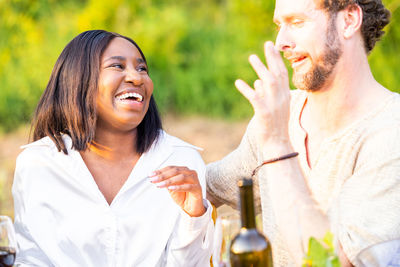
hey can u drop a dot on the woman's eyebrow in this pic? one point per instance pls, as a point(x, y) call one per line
point(115, 57)
point(121, 58)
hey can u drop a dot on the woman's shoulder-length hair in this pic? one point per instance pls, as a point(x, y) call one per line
point(68, 104)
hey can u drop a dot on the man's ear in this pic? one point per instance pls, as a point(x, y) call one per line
point(352, 20)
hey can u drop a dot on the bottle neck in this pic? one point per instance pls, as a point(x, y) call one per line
point(247, 207)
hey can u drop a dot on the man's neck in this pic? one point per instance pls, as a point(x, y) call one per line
point(350, 93)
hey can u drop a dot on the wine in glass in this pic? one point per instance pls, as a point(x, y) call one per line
point(227, 226)
point(8, 245)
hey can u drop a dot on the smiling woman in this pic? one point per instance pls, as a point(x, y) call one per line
point(103, 184)
point(76, 72)
point(125, 88)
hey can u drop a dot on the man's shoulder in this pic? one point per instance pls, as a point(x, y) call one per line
point(381, 132)
point(393, 104)
point(388, 114)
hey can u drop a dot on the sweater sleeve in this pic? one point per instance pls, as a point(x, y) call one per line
point(222, 176)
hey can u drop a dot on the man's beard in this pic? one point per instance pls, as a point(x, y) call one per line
point(316, 78)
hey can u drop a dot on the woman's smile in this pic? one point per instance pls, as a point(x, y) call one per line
point(125, 87)
point(130, 98)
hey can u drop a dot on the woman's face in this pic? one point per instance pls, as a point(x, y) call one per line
point(124, 88)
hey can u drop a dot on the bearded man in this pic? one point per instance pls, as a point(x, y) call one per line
point(344, 125)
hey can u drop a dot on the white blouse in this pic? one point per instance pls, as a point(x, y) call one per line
point(62, 218)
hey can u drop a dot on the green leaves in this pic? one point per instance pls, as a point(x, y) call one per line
point(196, 49)
point(321, 254)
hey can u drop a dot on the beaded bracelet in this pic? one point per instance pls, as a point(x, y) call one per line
point(287, 156)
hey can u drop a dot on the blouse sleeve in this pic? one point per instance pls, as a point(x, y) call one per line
point(191, 241)
point(29, 253)
point(369, 201)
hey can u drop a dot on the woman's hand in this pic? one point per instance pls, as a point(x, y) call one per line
point(183, 186)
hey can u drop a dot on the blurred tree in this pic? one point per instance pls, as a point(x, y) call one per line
point(195, 48)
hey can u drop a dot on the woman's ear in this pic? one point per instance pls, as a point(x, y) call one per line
point(352, 20)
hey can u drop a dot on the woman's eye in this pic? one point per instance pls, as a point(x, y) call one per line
point(117, 65)
point(142, 69)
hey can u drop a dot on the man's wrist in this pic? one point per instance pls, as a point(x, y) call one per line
point(276, 148)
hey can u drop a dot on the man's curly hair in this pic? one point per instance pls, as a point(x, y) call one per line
point(375, 17)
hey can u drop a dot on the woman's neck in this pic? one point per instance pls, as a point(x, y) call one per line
point(115, 146)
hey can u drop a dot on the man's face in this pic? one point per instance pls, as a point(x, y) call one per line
point(309, 39)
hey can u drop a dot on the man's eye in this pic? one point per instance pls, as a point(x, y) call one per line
point(298, 23)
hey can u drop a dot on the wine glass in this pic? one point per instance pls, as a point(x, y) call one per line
point(8, 245)
point(226, 227)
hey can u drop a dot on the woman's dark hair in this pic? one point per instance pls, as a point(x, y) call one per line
point(375, 17)
point(68, 105)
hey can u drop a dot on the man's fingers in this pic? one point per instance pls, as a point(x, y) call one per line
point(270, 58)
point(260, 90)
point(245, 90)
point(259, 67)
point(274, 60)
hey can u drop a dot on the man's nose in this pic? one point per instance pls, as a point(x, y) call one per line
point(284, 41)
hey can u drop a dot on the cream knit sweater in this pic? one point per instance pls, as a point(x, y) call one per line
point(355, 179)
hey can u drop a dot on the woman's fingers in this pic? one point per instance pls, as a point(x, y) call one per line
point(176, 178)
point(172, 180)
point(164, 173)
point(184, 187)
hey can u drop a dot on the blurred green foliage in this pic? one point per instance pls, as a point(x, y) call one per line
point(195, 49)
point(321, 253)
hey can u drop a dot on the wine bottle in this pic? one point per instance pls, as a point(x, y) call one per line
point(249, 248)
point(7, 256)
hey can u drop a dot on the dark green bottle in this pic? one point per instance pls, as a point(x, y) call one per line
point(249, 248)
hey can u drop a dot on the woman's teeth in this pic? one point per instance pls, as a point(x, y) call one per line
point(126, 96)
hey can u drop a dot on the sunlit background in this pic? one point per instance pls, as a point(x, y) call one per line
point(195, 50)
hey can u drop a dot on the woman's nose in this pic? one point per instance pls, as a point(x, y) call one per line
point(134, 77)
